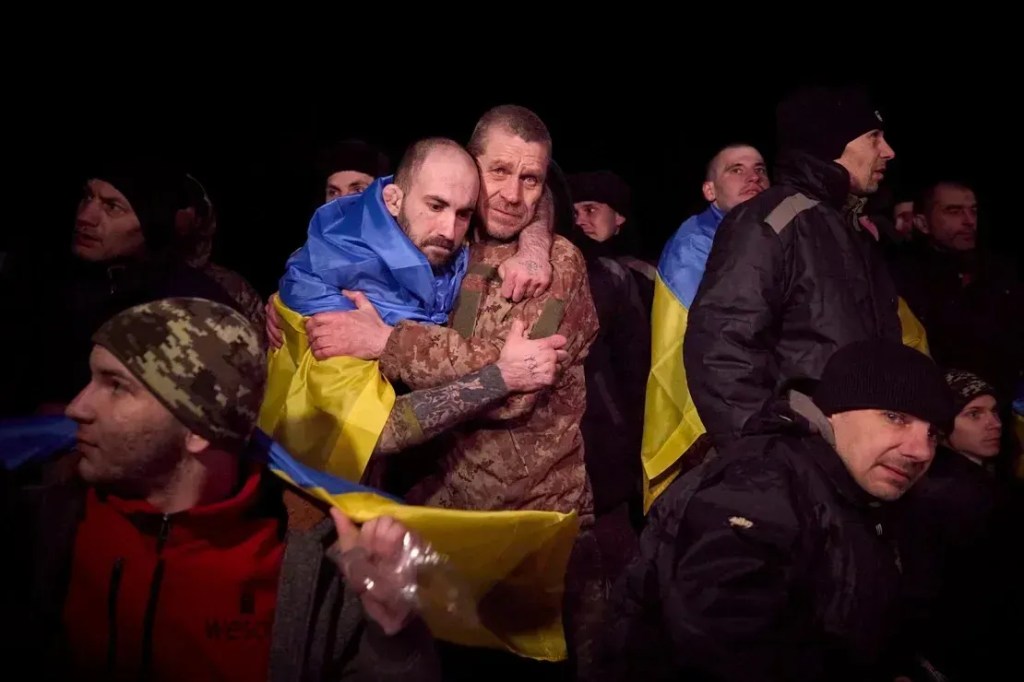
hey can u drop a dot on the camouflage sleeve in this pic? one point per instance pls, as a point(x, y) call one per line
point(427, 356)
point(421, 415)
point(537, 235)
point(238, 288)
point(579, 326)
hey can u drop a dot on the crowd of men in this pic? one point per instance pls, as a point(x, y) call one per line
point(789, 444)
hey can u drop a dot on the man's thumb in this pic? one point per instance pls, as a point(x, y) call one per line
point(348, 534)
point(554, 341)
point(359, 299)
point(518, 329)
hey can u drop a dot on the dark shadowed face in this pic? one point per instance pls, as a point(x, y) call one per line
point(435, 211)
point(865, 159)
point(597, 220)
point(106, 226)
point(952, 221)
point(129, 442)
point(512, 173)
point(903, 217)
point(343, 183)
point(885, 452)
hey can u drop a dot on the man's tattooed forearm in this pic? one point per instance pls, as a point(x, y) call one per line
point(419, 416)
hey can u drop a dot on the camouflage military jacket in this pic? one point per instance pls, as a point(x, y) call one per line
point(528, 452)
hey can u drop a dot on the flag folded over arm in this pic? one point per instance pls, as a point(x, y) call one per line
point(329, 414)
point(327, 417)
point(511, 564)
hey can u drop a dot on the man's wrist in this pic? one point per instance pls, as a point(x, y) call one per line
point(390, 360)
point(381, 340)
point(494, 376)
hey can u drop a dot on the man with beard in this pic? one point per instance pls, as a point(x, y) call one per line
point(526, 454)
point(401, 245)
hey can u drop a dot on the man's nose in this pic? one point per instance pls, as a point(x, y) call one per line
point(448, 226)
point(88, 212)
point(80, 409)
point(919, 446)
point(511, 191)
point(887, 152)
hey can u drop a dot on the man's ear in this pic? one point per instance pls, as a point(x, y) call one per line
point(709, 191)
point(921, 224)
point(619, 219)
point(195, 443)
point(393, 197)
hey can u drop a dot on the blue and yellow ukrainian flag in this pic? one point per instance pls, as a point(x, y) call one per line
point(671, 422)
point(328, 415)
point(510, 564)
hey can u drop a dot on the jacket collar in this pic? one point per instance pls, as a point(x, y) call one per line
point(825, 181)
point(216, 523)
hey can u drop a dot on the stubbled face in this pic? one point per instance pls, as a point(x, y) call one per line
point(903, 217)
point(865, 159)
point(597, 220)
point(512, 173)
point(977, 429)
point(129, 442)
point(106, 226)
point(738, 174)
point(343, 183)
point(436, 210)
point(952, 221)
point(886, 452)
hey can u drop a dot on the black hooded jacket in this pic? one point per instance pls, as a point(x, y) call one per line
point(792, 276)
point(767, 563)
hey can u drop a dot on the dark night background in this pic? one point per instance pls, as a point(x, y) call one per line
point(251, 137)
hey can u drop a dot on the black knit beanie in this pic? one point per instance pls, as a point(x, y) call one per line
point(603, 187)
point(885, 375)
point(822, 121)
point(353, 155)
point(155, 192)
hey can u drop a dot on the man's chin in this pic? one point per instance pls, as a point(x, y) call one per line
point(87, 471)
point(502, 231)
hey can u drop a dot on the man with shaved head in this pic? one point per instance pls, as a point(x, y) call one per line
point(672, 428)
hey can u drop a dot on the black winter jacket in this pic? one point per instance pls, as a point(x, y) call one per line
point(767, 563)
point(792, 276)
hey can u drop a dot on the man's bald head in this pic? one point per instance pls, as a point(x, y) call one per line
point(414, 157)
point(433, 197)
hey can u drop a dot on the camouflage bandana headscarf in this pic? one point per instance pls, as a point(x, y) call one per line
point(201, 359)
point(967, 386)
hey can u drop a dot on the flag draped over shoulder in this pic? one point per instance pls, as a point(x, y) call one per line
point(511, 564)
point(330, 414)
point(671, 422)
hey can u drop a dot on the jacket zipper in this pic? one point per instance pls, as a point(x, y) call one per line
point(112, 592)
point(897, 560)
point(154, 595)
